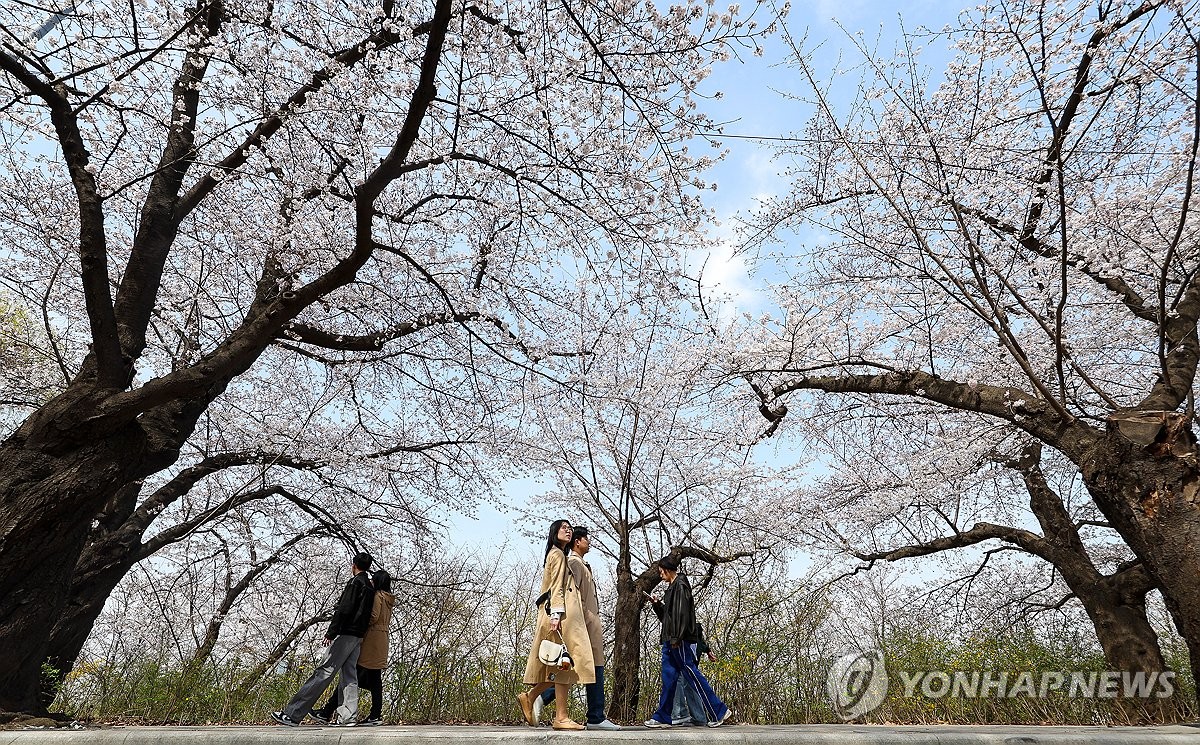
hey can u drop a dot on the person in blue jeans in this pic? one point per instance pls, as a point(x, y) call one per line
point(581, 572)
point(677, 611)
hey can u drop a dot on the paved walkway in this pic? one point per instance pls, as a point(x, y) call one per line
point(820, 734)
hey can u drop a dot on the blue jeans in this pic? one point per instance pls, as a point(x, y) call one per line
point(595, 697)
point(680, 662)
point(688, 704)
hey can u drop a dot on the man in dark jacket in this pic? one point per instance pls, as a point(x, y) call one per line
point(351, 618)
point(680, 631)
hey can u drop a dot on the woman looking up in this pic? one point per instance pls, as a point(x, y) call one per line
point(559, 619)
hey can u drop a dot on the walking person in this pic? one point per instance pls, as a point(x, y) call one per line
point(581, 574)
point(677, 611)
point(351, 618)
point(372, 659)
point(560, 619)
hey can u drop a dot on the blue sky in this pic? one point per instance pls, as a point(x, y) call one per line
point(753, 106)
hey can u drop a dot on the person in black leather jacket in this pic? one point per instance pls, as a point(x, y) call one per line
point(351, 617)
point(680, 631)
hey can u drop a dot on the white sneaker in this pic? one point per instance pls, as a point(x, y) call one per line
point(719, 722)
point(655, 724)
point(537, 708)
point(607, 724)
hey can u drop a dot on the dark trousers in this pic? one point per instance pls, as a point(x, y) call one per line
point(369, 680)
point(595, 697)
point(679, 665)
point(689, 704)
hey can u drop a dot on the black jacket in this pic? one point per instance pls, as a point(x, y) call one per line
point(677, 611)
point(352, 615)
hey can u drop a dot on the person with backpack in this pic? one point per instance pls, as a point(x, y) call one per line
point(372, 659)
point(351, 618)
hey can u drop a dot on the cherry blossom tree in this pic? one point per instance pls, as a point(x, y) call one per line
point(904, 482)
point(210, 204)
point(1014, 240)
point(653, 453)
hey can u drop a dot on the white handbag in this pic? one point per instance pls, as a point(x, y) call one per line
point(552, 654)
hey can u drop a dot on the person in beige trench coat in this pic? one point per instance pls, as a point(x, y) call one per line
point(566, 617)
point(581, 573)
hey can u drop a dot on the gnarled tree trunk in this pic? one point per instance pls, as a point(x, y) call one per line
point(55, 478)
point(1151, 496)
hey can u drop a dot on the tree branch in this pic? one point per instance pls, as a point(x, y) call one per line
point(371, 342)
point(93, 245)
point(1031, 414)
point(647, 580)
point(182, 483)
point(980, 532)
point(213, 631)
point(159, 225)
point(255, 676)
point(1138, 305)
point(272, 124)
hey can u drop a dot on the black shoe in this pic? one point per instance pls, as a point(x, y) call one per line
point(319, 715)
point(284, 719)
point(370, 722)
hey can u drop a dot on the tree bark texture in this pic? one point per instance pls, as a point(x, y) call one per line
point(1151, 496)
point(625, 663)
point(1118, 614)
point(89, 592)
point(49, 493)
point(1116, 603)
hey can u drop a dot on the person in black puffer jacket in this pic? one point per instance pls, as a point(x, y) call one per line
point(351, 618)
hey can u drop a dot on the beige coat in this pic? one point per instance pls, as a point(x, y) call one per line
point(565, 598)
point(374, 652)
point(581, 573)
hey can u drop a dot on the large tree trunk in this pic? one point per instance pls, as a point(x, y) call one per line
point(68, 474)
point(1119, 617)
point(50, 489)
point(623, 668)
point(102, 565)
point(1116, 603)
point(1152, 498)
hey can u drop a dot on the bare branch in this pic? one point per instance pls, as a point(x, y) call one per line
point(1034, 415)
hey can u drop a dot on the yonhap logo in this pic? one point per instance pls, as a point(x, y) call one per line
point(857, 684)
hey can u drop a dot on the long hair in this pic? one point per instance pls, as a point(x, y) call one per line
point(383, 581)
point(552, 539)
